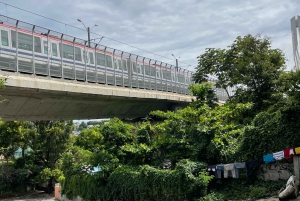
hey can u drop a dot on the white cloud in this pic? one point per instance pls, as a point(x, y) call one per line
point(183, 28)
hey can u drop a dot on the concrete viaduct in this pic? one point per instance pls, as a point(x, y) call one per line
point(32, 97)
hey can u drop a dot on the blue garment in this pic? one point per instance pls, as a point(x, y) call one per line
point(220, 169)
point(251, 166)
point(269, 158)
point(238, 166)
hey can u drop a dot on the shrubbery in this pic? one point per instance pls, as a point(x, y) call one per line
point(186, 181)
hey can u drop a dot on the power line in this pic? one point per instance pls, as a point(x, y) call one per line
point(85, 30)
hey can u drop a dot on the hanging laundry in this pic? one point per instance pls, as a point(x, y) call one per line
point(278, 155)
point(220, 168)
point(237, 167)
point(229, 170)
point(297, 150)
point(268, 158)
point(289, 153)
point(251, 167)
point(212, 170)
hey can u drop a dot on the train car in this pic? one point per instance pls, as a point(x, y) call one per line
point(48, 55)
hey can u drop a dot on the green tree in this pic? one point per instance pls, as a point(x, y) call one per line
point(249, 64)
point(95, 123)
point(14, 135)
point(82, 126)
point(51, 140)
point(2, 81)
point(204, 94)
point(90, 139)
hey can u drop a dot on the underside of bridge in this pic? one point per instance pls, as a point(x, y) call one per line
point(29, 97)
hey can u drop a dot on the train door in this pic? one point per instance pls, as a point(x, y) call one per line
point(41, 57)
point(109, 68)
point(91, 70)
point(134, 74)
point(118, 70)
point(173, 84)
point(7, 57)
point(55, 61)
point(66, 53)
point(124, 73)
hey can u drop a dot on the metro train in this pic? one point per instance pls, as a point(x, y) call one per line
point(49, 55)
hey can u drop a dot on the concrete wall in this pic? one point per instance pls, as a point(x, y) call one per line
point(273, 172)
point(31, 97)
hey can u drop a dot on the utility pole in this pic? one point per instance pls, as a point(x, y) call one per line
point(176, 62)
point(88, 30)
point(89, 36)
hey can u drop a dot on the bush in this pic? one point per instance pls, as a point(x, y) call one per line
point(12, 181)
point(142, 183)
point(246, 188)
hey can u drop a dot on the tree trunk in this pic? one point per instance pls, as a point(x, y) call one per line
point(50, 186)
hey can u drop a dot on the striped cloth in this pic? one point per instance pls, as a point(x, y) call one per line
point(278, 155)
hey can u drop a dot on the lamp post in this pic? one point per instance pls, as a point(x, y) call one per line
point(96, 39)
point(88, 30)
point(187, 67)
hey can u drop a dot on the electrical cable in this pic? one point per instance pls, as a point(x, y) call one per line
point(91, 32)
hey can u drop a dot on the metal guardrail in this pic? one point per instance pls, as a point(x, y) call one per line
point(28, 48)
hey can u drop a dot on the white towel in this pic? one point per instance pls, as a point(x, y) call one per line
point(278, 155)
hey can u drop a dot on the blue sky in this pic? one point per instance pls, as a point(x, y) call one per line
point(165, 27)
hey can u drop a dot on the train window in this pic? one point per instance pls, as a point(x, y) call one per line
point(25, 41)
point(139, 68)
point(54, 49)
point(166, 75)
point(100, 59)
point(158, 73)
point(45, 47)
point(180, 78)
point(142, 66)
point(115, 63)
point(147, 70)
point(91, 57)
point(173, 76)
point(108, 61)
point(152, 71)
point(4, 38)
point(85, 56)
point(134, 67)
point(78, 54)
point(187, 80)
point(119, 63)
point(67, 51)
point(124, 65)
point(37, 44)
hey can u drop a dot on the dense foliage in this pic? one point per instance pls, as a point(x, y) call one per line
point(141, 183)
point(41, 144)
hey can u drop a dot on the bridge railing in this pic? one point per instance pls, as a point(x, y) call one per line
point(32, 49)
point(28, 48)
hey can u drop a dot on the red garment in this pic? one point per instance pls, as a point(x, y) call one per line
point(289, 153)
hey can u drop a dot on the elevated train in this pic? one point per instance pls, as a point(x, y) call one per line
point(49, 55)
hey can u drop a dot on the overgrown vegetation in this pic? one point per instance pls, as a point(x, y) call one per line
point(166, 160)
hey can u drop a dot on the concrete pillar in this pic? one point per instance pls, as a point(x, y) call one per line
point(296, 162)
point(57, 191)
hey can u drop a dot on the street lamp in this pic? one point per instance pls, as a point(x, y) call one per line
point(98, 38)
point(187, 67)
point(176, 61)
point(88, 30)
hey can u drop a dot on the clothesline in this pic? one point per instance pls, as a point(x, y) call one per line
point(232, 169)
point(287, 153)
